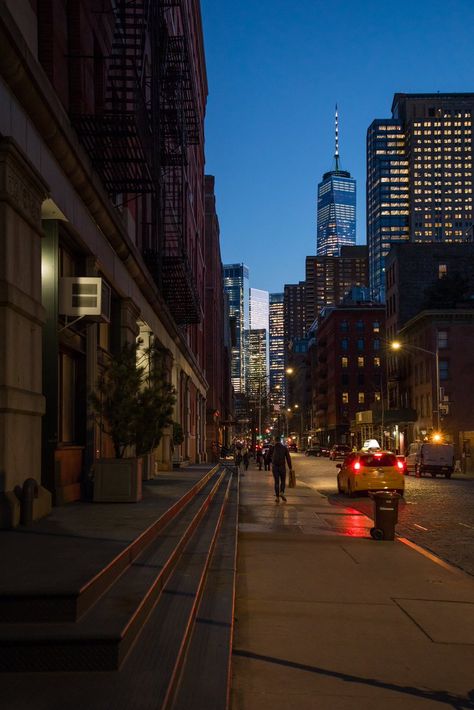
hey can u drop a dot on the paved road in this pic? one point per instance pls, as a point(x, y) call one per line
point(437, 514)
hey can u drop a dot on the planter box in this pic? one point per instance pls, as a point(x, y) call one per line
point(118, 480)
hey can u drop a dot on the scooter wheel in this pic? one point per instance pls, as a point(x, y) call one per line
point(376, 533)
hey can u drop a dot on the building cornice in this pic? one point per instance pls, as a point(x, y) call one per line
point(445, 314)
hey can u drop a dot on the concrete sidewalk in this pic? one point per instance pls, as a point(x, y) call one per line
point(327, 618)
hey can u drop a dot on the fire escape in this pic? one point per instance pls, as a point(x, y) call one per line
point(145, 118)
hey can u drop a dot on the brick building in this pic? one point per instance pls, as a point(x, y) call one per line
point(102, 176)
point(348, 370)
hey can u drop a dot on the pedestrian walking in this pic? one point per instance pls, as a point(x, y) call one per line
point(280, 457)
point(245, 458)
point(267, 458)
point(259, 458)
point(238, 457)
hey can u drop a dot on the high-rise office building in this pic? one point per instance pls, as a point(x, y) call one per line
point(329, 278)
point(419, 176)
point(236, 285)
point(277, 350)
point(259, 315)
point(293, 313)
point(257, 365)
point(336, 215)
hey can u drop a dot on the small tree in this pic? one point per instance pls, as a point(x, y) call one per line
point(178, 434)
point(132, 404)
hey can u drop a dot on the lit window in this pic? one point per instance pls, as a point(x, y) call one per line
point(376, 362)
point(442, 338)
point(442, 270)
point(377, 396)
point(361, 397)
point(360, 361)
point(344, 361)
point(345, 397)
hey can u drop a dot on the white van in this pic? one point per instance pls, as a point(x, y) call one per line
point(425, 457)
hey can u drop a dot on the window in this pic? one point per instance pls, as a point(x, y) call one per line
point(344, 344)
point(344, 361)
point(345, 397)
point(376, 344)
point(361, 397)
point(376, 327)
point(360, 361)
point(442, 338)
point(376, 362)
point(344, 326)
point(443, 370)
point(442, 270)
point(377, 396)
point(360, 343)
point(360, 325)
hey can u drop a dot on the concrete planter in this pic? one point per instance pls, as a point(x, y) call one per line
point(118, 480)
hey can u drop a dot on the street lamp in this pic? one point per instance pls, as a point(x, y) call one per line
point(397, 345)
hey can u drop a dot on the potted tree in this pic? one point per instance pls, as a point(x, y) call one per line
point(177, 440)
point(132, 403)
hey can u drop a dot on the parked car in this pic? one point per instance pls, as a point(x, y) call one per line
point(428, 457)
point(314, 451)
point(403, 460)
point(339, 451)
point(377, 471)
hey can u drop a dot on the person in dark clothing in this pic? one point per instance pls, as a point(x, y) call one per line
point(267, 458)
point(280, 457)
point(259, 458)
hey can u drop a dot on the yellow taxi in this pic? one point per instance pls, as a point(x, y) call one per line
point(370, 471)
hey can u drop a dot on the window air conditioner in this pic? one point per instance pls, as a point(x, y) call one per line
point(84, 296)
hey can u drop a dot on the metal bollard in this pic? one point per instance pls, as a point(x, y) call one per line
point(28, 494)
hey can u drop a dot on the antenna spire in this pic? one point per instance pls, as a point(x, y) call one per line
point(336, 136)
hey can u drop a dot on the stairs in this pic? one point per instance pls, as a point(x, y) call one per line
point(161, 611)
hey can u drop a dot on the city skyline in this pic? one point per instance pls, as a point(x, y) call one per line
point(272, 93)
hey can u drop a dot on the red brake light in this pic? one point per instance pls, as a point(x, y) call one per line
point(400, 465)
point(356, 466)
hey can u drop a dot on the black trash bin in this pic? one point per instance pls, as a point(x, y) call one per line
point(385, 514)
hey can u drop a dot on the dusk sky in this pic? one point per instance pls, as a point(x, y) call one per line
point(276, 69)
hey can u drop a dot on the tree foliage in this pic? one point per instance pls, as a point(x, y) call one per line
point(133, 402)
point(446, 292)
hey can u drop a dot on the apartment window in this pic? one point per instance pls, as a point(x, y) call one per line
point(443, 370)
point(377, 396)
point(345, 397)
point(376, 344)
point(344, 326)
point(360, 361)
point(360, 325)
point(361, 397)
point(344, 344)
point(376, 362)
point(344, 361)
point(442, 338)
point(376, 327)
point(360, 343)
point(442, 270)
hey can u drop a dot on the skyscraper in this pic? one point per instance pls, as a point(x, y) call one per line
point(336, 220)
point(419, 176)
point(236, 284)
point(277, 350)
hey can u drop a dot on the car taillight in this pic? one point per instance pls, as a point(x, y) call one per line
point(356, 466)
point(400, 465)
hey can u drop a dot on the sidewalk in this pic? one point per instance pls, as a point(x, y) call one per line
point(328, 619)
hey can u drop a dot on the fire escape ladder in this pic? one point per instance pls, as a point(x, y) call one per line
point(118, 136)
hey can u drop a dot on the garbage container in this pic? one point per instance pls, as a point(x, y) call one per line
point(385, 514)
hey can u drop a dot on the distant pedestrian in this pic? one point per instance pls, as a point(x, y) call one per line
point(238, 457)
point(259, 458)
point(280, 457)
point(245, 458)
point(267, 458)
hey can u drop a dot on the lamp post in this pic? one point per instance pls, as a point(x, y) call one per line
point(397, 345)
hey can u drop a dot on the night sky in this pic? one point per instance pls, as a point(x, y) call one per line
point(276, 69)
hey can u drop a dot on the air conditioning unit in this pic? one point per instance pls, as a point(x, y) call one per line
point(84, 296)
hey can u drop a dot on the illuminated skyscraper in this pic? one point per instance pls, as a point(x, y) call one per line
point(336, 207)
point(419, 176)
point(236, 285)
point(277, 350)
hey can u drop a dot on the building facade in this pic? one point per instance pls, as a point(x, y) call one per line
point(336, 212)
point(219, 409)
point(236, 285)
point(419, 175)
point(97, 160)
point(329, 278)
point(276, 351)
point(349, 371)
